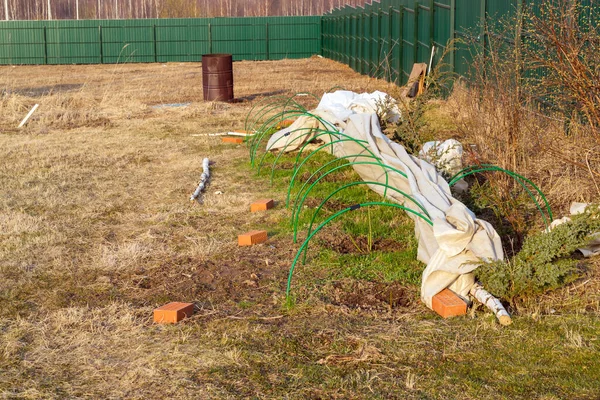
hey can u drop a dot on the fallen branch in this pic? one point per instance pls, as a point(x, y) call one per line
point(484, 297)
point(203, 179)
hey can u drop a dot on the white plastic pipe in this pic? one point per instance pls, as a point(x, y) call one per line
point(203, 179)
point(431, 60)
point(240, 134)
point(28, 116)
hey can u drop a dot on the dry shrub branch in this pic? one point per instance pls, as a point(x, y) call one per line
point(532, 107)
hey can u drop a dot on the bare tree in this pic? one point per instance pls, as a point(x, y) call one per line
point(86, 9)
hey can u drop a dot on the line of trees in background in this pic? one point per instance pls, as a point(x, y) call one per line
point(127, 9)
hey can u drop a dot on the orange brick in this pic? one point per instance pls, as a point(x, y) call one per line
point(262, 205)
point(236, 140)
point(252, 237)
point(173, 312)
point(285, 123)
point(448, 304)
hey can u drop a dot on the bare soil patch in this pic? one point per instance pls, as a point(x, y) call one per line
point(373, 296)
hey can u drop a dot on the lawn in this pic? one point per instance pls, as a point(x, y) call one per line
point(97, 230)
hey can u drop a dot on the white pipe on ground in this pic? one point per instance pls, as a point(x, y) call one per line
point(28, 115)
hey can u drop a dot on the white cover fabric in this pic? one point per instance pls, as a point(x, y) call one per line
point(344, 103)
point(446, 155)
point(456, 243)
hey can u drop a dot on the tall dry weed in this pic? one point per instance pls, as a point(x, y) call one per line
point(513, 111)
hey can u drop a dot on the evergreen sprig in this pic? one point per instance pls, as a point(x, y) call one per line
point(545, 261)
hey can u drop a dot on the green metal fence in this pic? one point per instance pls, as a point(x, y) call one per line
point(384, 39)
point(157, 40)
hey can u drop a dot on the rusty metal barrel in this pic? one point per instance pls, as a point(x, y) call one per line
point(217, 77)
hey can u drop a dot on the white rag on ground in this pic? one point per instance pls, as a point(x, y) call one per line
point(456, 243)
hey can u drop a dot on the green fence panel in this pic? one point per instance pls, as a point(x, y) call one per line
point(382, 39)
point(158, 40)
point(22, 43)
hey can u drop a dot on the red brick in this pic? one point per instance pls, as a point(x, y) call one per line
point(447, 304)
point(252, 237)
point(262, 205)
point(236, 140)
point(285, 123)
point(173, 312)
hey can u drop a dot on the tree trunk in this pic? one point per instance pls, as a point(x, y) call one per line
point(6, 9)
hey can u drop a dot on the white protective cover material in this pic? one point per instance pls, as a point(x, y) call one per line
point(446, 155)
point(344, 103)
point(456, 243)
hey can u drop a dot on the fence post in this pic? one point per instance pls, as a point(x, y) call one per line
point(154, 36)
point(361, 34)
point(322, 23)
point(390, 55)
point(349, 38)
point(401, 42)
point(353, 32)
point(452, 33)
point(483, 5)
point(343, 39)
point(101, 50)
point(335, 38)
point(370, 69)
point(45, 46)
point(267, 39)
point(210, 44)
point(379, 45)
point(416, 38)
point(431, 24)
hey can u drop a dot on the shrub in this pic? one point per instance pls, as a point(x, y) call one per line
point(545, 261)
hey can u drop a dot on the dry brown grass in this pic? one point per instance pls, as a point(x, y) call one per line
point(96, 230)
point(565, 165)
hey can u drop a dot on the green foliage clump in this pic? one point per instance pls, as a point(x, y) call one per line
point(545, 261)
point(413, 124)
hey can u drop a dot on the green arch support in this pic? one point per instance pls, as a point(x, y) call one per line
point(298, 167)
point(409, 197)
point(519, 178)
point(266, 128)
point(298, 206)
point(296, 215)
point(331, 218)
point(314, 216)
point(282, 151)
point(266, 108)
